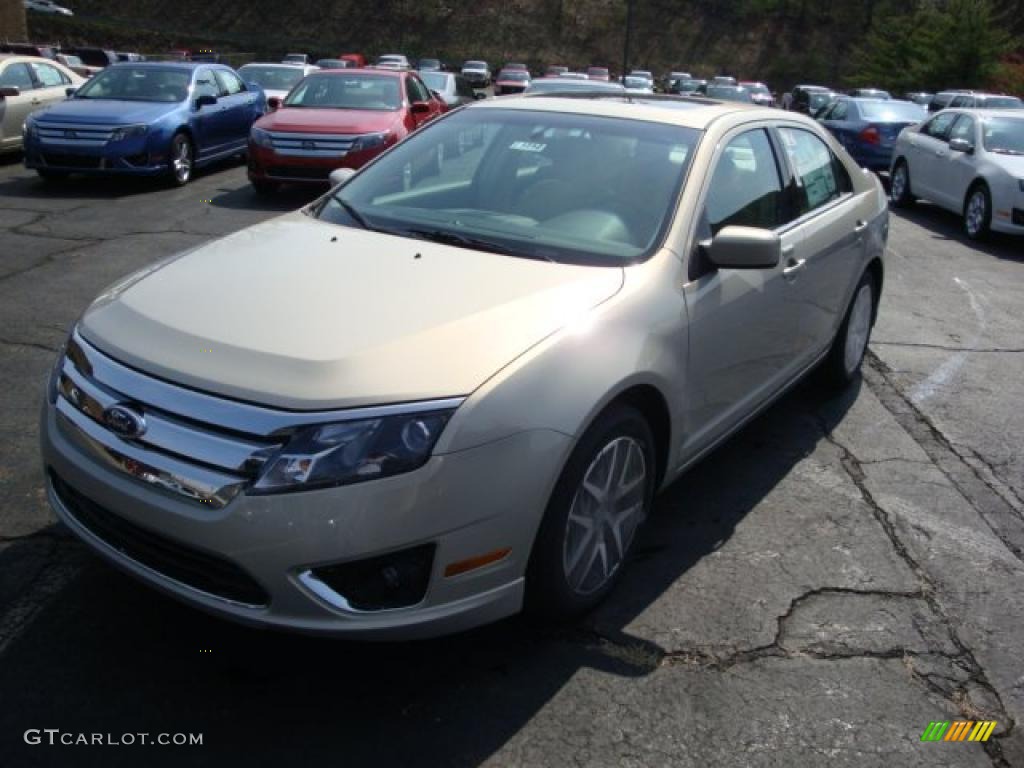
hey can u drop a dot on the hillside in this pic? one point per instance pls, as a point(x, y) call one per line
point(780, 41)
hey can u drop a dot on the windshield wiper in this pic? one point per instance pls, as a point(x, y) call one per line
point(448, 237)
point(350, 209)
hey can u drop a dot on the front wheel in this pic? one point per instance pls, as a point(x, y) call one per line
point(844, 360)
point(589, 528)
point(181, 159)
point(978, 213)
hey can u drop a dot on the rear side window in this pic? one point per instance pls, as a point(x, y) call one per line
point(820, 176)
point(17, 75)
point(49, 75)
point(746, 189)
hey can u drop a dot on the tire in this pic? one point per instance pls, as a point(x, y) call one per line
point(48, 175)
point(181, 160)
point(571, 569)
point(978, 212)
point(844, 359)
point(899, 186)
point(264, 188)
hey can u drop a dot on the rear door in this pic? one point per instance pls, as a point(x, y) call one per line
point(830, 246)
point(741, 321)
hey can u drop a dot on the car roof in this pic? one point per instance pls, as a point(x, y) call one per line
point(671, 110)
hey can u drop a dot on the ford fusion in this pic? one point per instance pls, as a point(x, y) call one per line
point(145, 119)
point(452, 386)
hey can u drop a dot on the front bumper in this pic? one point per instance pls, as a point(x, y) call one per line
point(266, 164)
point(131, 157)
point(467, 503)
point(477, 80)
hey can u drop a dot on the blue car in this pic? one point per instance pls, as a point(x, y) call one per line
point(868, 128)
point(145, 119)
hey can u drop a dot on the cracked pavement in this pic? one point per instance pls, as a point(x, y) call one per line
point(841, 573)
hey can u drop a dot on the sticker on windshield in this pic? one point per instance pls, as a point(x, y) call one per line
point(527, 146)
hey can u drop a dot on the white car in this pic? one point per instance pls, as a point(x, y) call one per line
point(28, 83)
point(637, 84)
point(276, 80)
point(393, 61)
point(970, 161)
point(47, 6)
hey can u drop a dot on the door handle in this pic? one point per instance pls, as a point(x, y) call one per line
point(793, 266)
point(939, 153)
point(861, 226)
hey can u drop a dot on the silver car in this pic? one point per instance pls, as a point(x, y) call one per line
point(452, 386)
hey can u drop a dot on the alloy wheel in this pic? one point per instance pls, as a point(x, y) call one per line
point(977, 210)
point(606, 511)
point(858, 329)
point(181, 160)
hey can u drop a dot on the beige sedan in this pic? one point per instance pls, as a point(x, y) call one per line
point(452, 386)
point(28, 83)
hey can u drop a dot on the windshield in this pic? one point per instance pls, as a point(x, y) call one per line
point(598, 71)
point(436, 81)
point(1001, 102)
point(340, 91)
point(516, 74)
point(544, 185)
point(475, 65)
point(817, 100)
point(761, 90)
point(892, 111)
point(1004, 135)
point(272, 78)
point(126, 83)
point(636, 82)
point(728, 93)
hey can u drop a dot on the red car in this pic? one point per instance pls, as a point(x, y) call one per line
point(336, 118)
point(356, 59)
point(599, 73)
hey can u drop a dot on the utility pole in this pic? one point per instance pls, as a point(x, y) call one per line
point(629, 33)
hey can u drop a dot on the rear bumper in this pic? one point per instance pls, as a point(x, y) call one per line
point(871, 156)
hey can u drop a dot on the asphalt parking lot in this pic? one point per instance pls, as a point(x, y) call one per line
point(840, 574)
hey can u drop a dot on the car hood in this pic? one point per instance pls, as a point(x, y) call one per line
point(106, 111)
point(342, 121)
point(303, 315)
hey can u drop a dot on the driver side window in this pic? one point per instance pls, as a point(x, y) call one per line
point(938, 127)
point(415, 90)
point(746, 189)
point(205, 85)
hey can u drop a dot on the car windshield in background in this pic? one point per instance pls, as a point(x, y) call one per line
point(125, 83)
point(338, 91)
point(272, 78)
point(566, 85)
point(435, 81)
point(1002, 102)
point(816, 100)
point(760, 90)
point(516, 74)
point(1004, 135)
point(636, 82)
point(892, 111)
point(542, 185)
point(475, 65)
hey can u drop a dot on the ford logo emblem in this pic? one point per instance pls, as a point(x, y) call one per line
point(309, 145)
point(70, 135)
point(124, 421)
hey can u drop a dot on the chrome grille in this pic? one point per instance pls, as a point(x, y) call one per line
point(312, 144)
point(76, 134)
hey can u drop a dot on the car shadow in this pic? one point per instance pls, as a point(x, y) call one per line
point(108, 655)
point(287, 198)
point(946, 225)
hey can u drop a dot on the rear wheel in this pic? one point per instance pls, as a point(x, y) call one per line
point(589, 528)
point(844, 360)
point(899, 185)
point(181, 159)
point(978, 212)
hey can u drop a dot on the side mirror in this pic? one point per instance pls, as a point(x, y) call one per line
point(9, 90)
point(437, 95)
point(206, 100)
point(420, 108)
point(273, 102)
point(961, 145)
point(69, 92)
point(479, 95)
point(340, 175)
point(744, 248)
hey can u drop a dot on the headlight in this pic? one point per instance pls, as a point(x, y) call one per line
point(261, 138)
point(369, 141)
point(352, 452)
point(128, 131)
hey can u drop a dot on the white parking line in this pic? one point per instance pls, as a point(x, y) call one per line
point(941, 375)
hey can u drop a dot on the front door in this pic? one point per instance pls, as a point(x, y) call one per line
point(740, 320)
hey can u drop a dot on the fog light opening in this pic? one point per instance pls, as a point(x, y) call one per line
point(395, 580)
